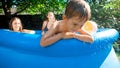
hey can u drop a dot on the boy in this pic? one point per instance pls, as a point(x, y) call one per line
point(76, 14)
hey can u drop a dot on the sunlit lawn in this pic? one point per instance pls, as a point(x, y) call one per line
point(118, 55)
point(116, 47)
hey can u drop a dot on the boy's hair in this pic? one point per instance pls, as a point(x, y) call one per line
point(11, 21)
point(78, 8)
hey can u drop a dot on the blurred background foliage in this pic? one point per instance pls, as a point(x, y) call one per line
point(107, 15)
point(32, 7)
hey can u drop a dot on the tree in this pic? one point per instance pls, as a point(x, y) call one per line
point(32, 7)
point(107, 14)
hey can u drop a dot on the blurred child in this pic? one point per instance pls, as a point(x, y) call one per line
point(16, 25)
point(48, 23)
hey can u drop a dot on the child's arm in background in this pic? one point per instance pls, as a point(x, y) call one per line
point(43, 26)
point(29, 31)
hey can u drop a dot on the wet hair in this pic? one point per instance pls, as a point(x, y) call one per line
point(78, 8)
point(11, 21)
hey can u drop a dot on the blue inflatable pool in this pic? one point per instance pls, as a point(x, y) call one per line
point(21, 50)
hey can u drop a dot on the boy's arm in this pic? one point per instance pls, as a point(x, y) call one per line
point(50, 37)
point(84, 36)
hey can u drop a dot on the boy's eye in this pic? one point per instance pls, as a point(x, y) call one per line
point(81, 26)
point(74, 24)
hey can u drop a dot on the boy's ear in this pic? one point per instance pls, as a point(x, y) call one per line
point(64, 17)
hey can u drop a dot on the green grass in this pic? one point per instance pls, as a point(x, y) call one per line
point(118, 55)
point(116, 47)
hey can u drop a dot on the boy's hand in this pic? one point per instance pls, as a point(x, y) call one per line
point(68, 35)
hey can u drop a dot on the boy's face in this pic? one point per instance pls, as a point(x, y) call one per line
point(74, 23)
